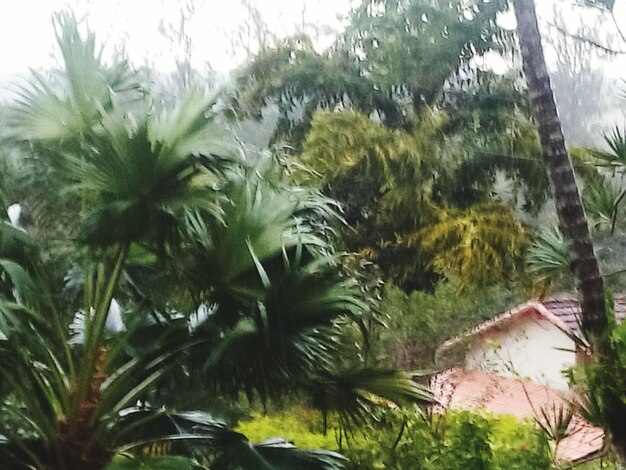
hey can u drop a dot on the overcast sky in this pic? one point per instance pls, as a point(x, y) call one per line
point(27, 36)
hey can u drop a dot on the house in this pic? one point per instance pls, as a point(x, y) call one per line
point(536, 340)
point(513, 364)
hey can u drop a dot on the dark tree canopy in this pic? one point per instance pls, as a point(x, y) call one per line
point(394, 58)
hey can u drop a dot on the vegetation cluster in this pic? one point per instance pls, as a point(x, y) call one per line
point(173, 296)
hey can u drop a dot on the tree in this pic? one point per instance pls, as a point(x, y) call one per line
point(368, 69)
point(607, 391)
point(417, 192)
point(475, 247)
point(568, 202)
point(170, 224)
point(435, 134)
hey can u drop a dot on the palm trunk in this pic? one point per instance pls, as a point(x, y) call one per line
point(79, 448)
point(561, 173)
point(78, 452)
point(595, 320)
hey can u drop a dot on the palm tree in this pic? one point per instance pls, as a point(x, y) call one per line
point(170, 220)
point(573, 224)
point(567, 198)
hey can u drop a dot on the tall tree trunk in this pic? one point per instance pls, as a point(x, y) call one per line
point(561, 173)
point(595, 321)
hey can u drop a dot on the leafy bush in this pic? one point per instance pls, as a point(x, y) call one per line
point(400, 440)
point(303, 426)
point(152, 463)
point(419, 322)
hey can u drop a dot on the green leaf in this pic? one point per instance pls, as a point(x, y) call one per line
point(151, 463)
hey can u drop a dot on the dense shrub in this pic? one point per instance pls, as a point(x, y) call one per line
point(419, 322)
point(401, 440)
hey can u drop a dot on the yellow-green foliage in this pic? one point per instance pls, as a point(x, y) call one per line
point(476, 246)
point(151, 463)
point(601, 463)
point(420, 321)
point(401, 440)
point(339, 141)
point(301, 426)
point(408, 221)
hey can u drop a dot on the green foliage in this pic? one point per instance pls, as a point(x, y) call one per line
point(401, 440)
point(548, 258)
point(455, 441)
point(604, 191)
point(475, 247)
point(440, 37)
point(397, 224)
point(602, 203)
point(152, 463)
point(395, 170)
point(616, 141)
point(602, 382)
point(494, 139)
point(297, 78)
point(393, 59)
point(305, 428)
point(173, 225)
point(340, 141)
point(600, 173)
point(419, 322)
point(386, 107)
point(601, 463)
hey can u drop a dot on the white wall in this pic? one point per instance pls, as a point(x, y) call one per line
point(529, 347)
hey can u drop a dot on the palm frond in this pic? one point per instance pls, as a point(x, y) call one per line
point(61, 112)
point(39, 380)
point(202, 436)
point(548, 257)
point(616, 157)
point(132, 169)
point(353, 394)
point(258, 219)
point(603, 202)
point(138, 180)
point(14, 456)
point(279, 454)
point(291, 331)
point(16, 245)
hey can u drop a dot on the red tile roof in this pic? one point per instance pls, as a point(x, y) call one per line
point(562, 310)
point(567, 309)
point(467, 389)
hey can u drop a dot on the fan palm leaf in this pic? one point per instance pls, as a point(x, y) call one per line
point(548, 258)
point(354, 393)
point(283, 304)
point(130, 168)
point(59, 113)
point(603, 202)
point(258, 220)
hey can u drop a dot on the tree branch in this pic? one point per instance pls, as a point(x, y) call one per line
point(589, 41)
